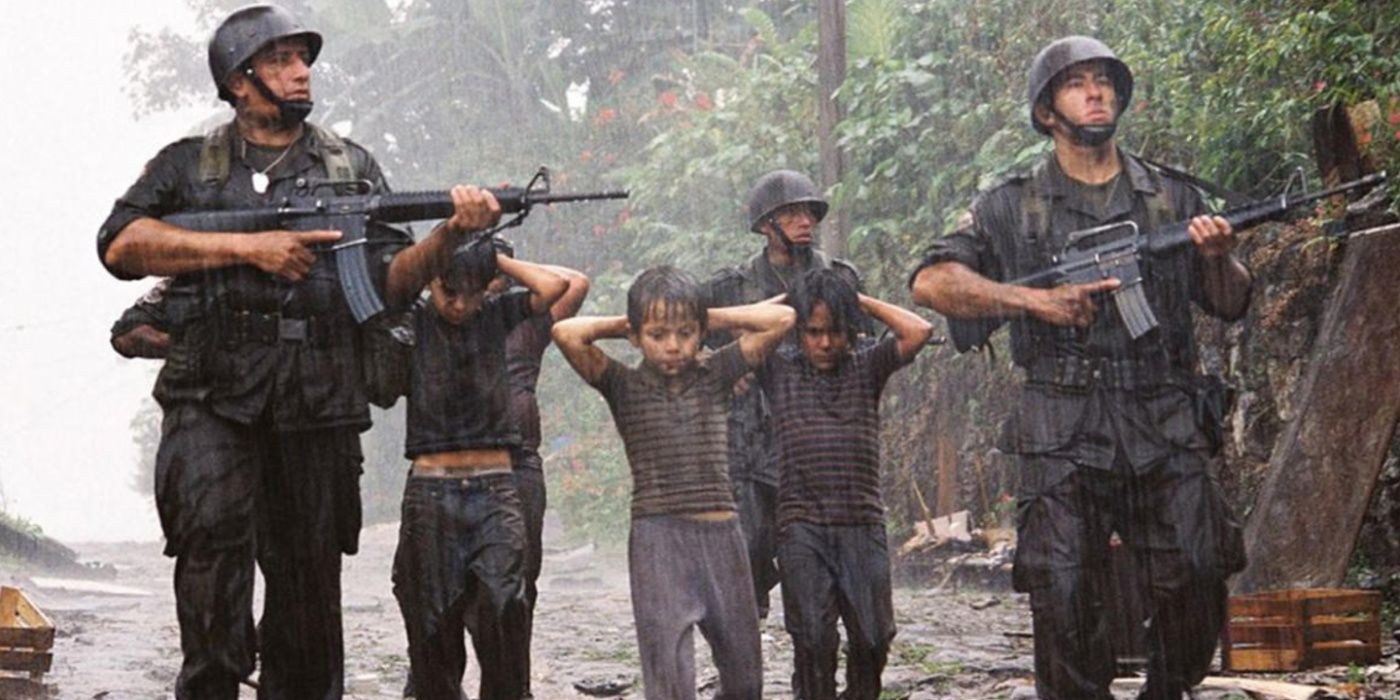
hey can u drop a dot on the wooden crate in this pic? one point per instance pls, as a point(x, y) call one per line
point(26, 641)
point(1303, 628)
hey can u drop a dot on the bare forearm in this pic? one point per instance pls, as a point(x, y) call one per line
point(910, 330)
point(152, 247)
point(956, 291)
point(576, 337)
point(544, 284)
point(414, 267)
point(1227, 285)
point(749, 318)
point(142, 341)
point(761, 327)
point(571, 301)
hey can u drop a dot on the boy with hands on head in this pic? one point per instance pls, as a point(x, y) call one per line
point(688, 564)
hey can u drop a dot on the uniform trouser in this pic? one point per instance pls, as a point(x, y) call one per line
point(458, 566)
point(1183, 539)
point(758, 519)
point(832, 571)
point(529, 486)
point(687, 574)
point(229, 495)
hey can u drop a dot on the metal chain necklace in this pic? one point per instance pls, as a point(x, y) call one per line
point(260, 178)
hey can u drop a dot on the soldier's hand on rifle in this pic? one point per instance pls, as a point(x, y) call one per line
point(286, 254)
point(1070, 304)
point(1212, 236)
point(474, 209)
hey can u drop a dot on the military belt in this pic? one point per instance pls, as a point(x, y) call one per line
point(1084, 373)
point(237, 327)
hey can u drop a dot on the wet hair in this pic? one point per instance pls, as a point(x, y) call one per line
point(827, 287)
point(473, 266)
point(675, 290)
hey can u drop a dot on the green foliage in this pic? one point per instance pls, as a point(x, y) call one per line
point(689, 101)
point(20, 524)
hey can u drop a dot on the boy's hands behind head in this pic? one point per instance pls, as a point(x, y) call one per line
point(473, 265)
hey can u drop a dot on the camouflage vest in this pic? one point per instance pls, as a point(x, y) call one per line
point(216, 157)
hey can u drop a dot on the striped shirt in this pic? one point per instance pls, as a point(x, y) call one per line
point(827, 428)
point(675, 432)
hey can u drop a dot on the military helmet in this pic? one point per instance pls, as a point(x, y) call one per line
point(780, 188)
point(1063, 53)
point(243, 33)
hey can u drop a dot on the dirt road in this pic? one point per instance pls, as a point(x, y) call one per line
point(123, 644)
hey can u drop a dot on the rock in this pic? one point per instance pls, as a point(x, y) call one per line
point(605, 687)
point(1024, 692)
point(984, 603)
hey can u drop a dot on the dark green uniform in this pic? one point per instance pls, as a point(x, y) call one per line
point(259, 456)
point(1110, 436)
point(753, 460)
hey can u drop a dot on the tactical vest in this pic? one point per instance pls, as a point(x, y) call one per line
point(385, 341)
point(216, 157)
point(1039, 250)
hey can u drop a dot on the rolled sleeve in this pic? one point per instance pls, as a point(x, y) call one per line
point(967, 245)
point(155, 193)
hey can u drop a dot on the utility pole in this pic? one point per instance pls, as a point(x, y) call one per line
point(831, 72)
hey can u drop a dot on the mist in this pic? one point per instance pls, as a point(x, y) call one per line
point(67, 459)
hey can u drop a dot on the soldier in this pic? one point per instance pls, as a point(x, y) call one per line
point(263, 399)
point(1106, 427)
point(785, 208)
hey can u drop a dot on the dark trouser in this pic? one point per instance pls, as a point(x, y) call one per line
point(687, 574)
point(458, 565)
point(830, 571)
point(529, 486)
point(230, 494)
point(1183, 538)
point(758, 518)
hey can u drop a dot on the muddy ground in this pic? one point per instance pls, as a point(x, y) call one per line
point(953, 643)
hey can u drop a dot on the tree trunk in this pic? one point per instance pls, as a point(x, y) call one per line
point(1324, 467)
point(831, 72)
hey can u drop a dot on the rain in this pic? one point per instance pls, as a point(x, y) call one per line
point(1238, 389)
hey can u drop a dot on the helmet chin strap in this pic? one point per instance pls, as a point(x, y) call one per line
point(794, 250)
point(290, 113)
point(1087, 134)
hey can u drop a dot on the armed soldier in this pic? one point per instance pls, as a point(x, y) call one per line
point(785, 208)
point(1105, 427)
point(263, 398)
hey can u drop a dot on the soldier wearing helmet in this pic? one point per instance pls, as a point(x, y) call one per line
point(1107, 427)
point(261, 390)
point(783, 206)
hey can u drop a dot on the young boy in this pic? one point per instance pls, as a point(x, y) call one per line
point(461, 539)
point(525, 348)
point(687, 561)
point(832, 556)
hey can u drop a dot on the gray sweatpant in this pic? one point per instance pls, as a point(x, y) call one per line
point(687, 574)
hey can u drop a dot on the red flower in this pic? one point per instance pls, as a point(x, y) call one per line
point(703, 102)
point(1319, 86)
point(605, 116)
point(668, 98)
point(1395, 118)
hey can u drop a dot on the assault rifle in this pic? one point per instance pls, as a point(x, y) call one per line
point(1115, 250)
point(311, 209)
